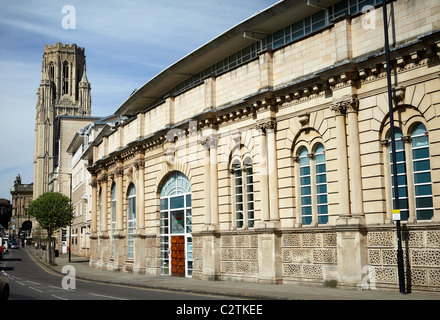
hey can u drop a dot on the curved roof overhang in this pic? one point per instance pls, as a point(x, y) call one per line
point(265, 22)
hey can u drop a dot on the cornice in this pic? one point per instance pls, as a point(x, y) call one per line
point(423, 51)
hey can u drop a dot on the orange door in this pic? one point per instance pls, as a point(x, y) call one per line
point(178, 256)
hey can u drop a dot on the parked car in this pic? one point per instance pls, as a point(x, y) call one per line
point(4, 289)
point(14, 245)
point(1, 248)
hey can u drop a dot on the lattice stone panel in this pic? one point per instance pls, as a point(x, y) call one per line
point(305, 255)
point(239, 254)
point(197, 254)
point(421, 251)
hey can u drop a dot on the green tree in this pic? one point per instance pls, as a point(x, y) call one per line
point(52, 210)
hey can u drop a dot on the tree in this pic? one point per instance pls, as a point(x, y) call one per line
point(52, 210)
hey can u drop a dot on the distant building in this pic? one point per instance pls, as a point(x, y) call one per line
point(5, 214)
point(80, 145)
point(21, 223)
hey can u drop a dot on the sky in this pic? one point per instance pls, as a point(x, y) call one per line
point(126, 44)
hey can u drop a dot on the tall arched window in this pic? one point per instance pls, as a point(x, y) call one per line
point(413, 165)
point(401, 174)
point(113, 221)
point(321, 184)
point(305, 186)
point(312, 195)
point(244, 194)
point(422, 173)
point(131, 220)
point(65, 78)
point(176, 226)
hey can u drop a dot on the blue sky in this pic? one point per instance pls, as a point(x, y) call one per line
point(126, 44)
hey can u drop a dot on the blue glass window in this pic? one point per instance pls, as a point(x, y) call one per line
point(305, 185)
point(401, 175)
point(321, 184)
point(422, 173)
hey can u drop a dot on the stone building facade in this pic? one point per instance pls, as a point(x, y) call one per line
point(271, 162)
point(20, 224)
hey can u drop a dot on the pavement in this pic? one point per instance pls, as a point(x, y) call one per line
point(227, 289)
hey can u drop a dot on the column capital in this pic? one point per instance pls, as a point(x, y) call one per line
point(406, 139)
point(266, 124)
point(209, 142)
point(345, 105)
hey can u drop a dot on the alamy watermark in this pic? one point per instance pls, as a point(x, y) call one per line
point(69, 20)
point(69, 281)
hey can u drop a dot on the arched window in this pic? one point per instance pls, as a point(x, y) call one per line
point(244, 194)
point(312, 181)
point(113, 217)
point(413, 165)
point(176, 225)
point(305, 186)
point(65, 78)
point(401, 174)
point(321, 184)
point(131, 220)
point(422, 173)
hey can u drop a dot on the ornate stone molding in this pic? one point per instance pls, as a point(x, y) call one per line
point(265, 125)
point(345, 105)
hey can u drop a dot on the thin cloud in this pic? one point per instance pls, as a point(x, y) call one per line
point(126, 44)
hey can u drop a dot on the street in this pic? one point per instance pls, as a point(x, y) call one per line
point(31, 280)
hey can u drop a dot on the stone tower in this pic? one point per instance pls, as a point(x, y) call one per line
point(64, 90)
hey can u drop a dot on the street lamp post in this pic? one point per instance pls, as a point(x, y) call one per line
point(393, 154)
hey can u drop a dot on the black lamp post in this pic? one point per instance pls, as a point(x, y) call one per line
point(393, 154)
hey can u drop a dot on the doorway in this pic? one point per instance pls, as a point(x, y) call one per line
point(178, 256)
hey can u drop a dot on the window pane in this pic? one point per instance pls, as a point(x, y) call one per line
point(420, 153)
point(306, 220)
point(420, 129)
point(323, 219)
point(320, 168)
point(305, 211)
point(423, 190)
point(422, 177)
point(176, 202)
point(425, 214)
point(177, 221)
point(419, 141)
point(424, 202)
point(321, 178)
point(421, 165)
point(322, 199)
point(305, 171)
point(305, 191)
point(306, 201)
point(322, 188)
point(322, 209)
point(305, 180)
point(188, 200)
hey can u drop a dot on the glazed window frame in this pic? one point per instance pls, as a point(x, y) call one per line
point(175, 202)
point(113, 216)
point(131, 220)
point(311, 182)
point(417, 174)
point(243, 194)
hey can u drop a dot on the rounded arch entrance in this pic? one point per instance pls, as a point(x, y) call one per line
point(176, 225)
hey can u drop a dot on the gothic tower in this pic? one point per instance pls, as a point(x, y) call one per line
point(64, 90)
